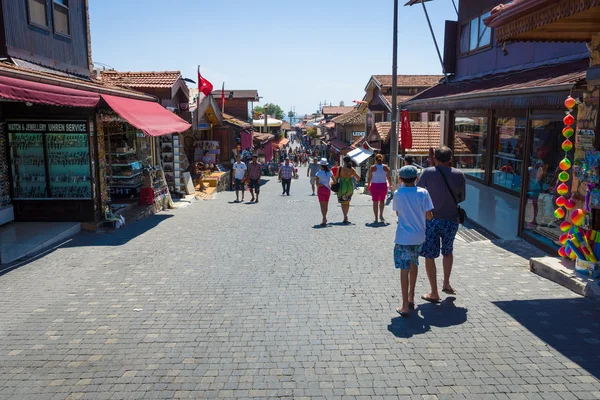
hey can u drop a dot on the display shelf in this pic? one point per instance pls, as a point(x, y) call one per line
point(125, 176)
point(115, 153)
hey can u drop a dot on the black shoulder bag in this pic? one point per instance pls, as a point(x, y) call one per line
point(462, 214)
point(336, 186)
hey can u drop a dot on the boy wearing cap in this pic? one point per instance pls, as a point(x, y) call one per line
point(254, 174)
point(413, 207)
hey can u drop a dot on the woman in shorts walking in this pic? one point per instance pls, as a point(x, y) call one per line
point(379, 182)
point(323, 180)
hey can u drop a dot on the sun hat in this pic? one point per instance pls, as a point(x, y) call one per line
point(408, 172)
point(254, 155)
point(323, 161)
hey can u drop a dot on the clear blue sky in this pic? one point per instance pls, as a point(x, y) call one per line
point(293, 53)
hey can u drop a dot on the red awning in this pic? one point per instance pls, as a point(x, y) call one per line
point(151, 118)
point(43, 93)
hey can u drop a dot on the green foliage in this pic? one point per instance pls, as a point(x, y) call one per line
point(312, 132)
point(272, 109)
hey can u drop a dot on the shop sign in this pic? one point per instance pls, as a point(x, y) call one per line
point(51, 127)
point(361, 134)
point(203, 126)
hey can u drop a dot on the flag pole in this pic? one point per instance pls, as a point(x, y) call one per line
point(223, 99)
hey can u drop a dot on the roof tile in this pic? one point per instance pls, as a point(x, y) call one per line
point(425, 135)
point(152, 79)
point(335, 110)
point(409, 80)
point(354, 117)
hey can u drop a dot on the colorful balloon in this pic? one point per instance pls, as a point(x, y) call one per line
point(569, 120)
point(568, 132)
point(559, 213)
point(566, 226)
point(570, 204)
point(563, 252)
point(563, 238)
point(578, 217)
point(563, 176)
point(565, 164)
point(562, 189)
point(567, 145)
point(570, 102)
point(560, 201)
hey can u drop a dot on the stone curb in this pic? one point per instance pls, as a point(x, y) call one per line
point(555, 270)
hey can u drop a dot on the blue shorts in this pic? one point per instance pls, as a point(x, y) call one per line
point(440, 234)
point(406, 255)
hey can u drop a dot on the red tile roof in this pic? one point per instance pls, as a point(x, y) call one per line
point(548, 76)
point(152, 79)
point(236, 121)
point(409, 80)
point(399, 99)
point(335, 110)
point(354, 117)
point(338, 144)
point(425, 135)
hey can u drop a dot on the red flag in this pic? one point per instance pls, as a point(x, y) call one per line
point(406, 132)
point(204, 86)
point(223, 98)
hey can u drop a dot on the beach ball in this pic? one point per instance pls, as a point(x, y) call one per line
point(566, 226)
point(563, 176)
point(559, 213)
point(570, 102)
point(578, 217)
point(568, 132)
point(562, 189)
point(560, 201)
point(563, 238)
point(565, 164)
point(570, 204)
point(569, 120)
point(563, 252)
point(567, 145)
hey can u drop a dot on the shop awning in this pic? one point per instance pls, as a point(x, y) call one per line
point(151, 118)
point(43, 93)
point(541, 87)
point(360, 155)
point(338, 145)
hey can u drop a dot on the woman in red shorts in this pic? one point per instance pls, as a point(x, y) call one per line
point(379, 181)
point(323, 178)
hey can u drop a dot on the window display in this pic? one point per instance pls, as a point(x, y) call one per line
point(130, 153)
point(4, 178)
point(50, 160)
point(508, 152)
point(472, 131)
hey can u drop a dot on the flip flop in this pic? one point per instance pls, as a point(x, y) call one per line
point(429, 299)
point(411, 306)
point(402, 314)
point(449, 291)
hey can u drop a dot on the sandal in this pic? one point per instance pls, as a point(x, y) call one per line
point(382, 219)
point(402, 313)
point(411, 306)
point(449, 291)
point(429, 299)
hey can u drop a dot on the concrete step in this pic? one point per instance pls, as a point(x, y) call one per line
point(563, 273)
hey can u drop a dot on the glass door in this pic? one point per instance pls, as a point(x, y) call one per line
point(507, 165)
point(542, 176)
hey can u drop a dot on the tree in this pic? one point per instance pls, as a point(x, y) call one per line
point(341, 104)
point(312, 132)
point(272, 109)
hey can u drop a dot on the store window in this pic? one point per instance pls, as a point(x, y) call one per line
point(37, 13)
point(508, 153)
point(542, 173)
point(130, 153)
point(61, 17)
point(474, 34)
point(50, 161)
point(470, 144)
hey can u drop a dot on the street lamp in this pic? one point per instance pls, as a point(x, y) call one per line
point(394, 130)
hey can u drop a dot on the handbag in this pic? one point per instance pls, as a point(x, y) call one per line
point(336, 186)
point(462, 214)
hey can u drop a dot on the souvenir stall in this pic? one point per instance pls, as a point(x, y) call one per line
point(174, 161)
point(579, 179)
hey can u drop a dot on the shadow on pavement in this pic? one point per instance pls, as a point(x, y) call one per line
point(442, 315)
point(570, 326)
point(377, 224)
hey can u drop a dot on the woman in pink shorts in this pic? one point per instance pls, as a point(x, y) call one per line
point(379, 181)
point(323, 178)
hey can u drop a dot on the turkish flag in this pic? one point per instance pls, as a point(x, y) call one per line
point(204, 86)
point(406, 131)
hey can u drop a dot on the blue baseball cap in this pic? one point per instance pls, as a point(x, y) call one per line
point(408, 172)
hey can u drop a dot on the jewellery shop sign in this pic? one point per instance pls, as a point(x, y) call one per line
point(49, 127)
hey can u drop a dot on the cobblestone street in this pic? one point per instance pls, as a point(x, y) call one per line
point(221, 300)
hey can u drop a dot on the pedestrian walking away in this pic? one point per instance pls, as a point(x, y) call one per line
point(323, 181)
point(346, 186)
point(240, 172)
point(286, 173)
point(254, 175)
point(413, 207)
point(379, 181)
point(447, 188)
point(313, 168)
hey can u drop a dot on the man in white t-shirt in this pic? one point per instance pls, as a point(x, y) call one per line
point(413, 207)
point(239, 169)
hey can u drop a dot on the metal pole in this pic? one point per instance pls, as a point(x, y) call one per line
point(266, 118)
point(394, 130)
point(455, 9)
point(437, 48)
